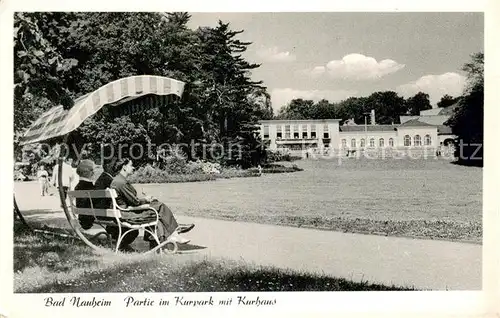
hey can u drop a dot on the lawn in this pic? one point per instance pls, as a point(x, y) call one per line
point(56, 265)
point(404, 197)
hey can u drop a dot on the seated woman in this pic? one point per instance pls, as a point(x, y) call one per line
point(85, 171)
point(127, 197)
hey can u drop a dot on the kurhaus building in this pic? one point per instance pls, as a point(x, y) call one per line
point(425, 131)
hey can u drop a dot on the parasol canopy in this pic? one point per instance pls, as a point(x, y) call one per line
point(58, 122)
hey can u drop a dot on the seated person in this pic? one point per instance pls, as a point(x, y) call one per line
point(127, 197)
point(103, 182)
point(85, 171)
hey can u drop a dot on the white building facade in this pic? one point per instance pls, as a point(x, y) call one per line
point(300, 136)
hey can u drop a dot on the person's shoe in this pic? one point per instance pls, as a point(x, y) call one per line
point(175, 237)
point(184, 228)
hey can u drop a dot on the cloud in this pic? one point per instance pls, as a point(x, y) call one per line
point(356, 67)
point(281, 96)
point(274, 55)
point(435, 85)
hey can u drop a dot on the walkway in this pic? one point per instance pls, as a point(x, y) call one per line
point(424, 264)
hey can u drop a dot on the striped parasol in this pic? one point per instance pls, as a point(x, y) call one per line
point(58, 122)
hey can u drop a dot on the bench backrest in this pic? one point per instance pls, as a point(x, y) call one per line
point(94, 194)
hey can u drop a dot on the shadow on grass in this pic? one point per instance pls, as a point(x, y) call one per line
point(164, 274)
point(468, 163)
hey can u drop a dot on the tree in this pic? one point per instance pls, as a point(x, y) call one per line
point(323, 110)
point(297, 109)
point(467, 120)
point(417, 103)
point(38, 69)
point(447, 100)
point(220, 103)
point(388, 107)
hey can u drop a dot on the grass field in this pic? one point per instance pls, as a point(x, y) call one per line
point(420, 198)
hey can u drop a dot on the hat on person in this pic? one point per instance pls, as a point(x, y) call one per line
point(85, 168)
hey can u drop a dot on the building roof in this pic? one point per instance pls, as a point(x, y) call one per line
point(431, 120)
point(415, 123)
point(350, 128)
point(430, 112)
point(439, 111)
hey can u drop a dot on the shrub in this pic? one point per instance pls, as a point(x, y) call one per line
point(174, 164)
point(192, 172)
point(275, 156)
point(281, 169)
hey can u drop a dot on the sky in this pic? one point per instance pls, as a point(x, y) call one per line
point(336, 55)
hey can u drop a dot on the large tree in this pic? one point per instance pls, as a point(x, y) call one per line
point(467, 121)
point(297, 109)
point(39, 69)
point(417, 103)
point(447, 100)
point(220, 104)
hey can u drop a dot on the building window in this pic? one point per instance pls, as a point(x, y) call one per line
point(362, 143)
point(296, 131)
point(326, 132)
point(417, 141)
point(287, 131)
point(391, 142)
point(304, 131)
point(353, 143)
point(266, 131)
point(279, 132)
point(313, 131)
point(344, 143)
point(372, 142)
point(407, 141)
point(428, 140)
point(381, 142)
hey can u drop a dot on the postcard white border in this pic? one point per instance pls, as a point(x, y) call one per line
point(408, 304)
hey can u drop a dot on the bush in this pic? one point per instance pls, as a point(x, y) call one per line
point(239, 173)
point(275, 156)
point(175, 165)
point(149, 174)
point(281, 169)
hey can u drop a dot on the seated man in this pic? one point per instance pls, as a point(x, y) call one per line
point(127, 197)
point(103, 182)
point(85, 171)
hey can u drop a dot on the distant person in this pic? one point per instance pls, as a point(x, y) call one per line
point(43, 180)
point(68, 177)
point(168, 228)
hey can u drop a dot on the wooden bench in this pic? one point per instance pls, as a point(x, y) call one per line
point(113, 215)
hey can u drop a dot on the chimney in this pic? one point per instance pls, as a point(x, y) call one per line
point(372, 117)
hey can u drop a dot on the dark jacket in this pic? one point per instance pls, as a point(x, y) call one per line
point(127, 195)
point(83, 185)
point(86, 221)
point(102, 183)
